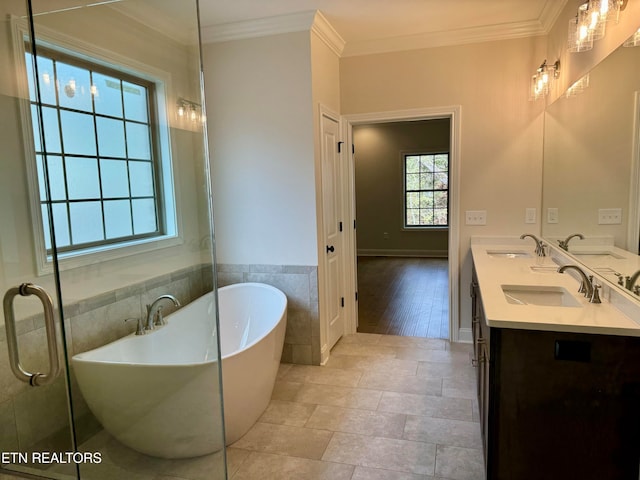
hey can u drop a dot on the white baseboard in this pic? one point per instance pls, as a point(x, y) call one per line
point(373, 252)
point(465, 335)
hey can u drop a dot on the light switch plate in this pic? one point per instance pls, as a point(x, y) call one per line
point(609, 216)
point(530, 215)
point(476, 217)
point(552, 215)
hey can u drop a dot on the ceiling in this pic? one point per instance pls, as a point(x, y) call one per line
point(369, 26)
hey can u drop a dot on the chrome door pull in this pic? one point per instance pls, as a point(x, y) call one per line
point(34, 379)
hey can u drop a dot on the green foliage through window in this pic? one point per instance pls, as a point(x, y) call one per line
point(426, 188)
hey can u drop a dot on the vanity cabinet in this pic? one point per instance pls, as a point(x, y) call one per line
point(556, 405)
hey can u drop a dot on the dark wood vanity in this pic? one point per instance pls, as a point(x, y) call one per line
point(556, 405)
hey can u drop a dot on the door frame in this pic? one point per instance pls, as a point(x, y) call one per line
point(633, 233)
point(453, 113)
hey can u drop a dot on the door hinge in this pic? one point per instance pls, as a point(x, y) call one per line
point(342, 302)
point(354, 224)
point(340, 147)
point(353, 149)
point(340, 225)
point(356, 296)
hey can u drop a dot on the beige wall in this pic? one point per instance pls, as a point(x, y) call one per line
point(261, 143)
point(501, 131)
point(379, 186)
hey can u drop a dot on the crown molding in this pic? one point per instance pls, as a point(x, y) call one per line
point(317, 23)
point(550, 13)
point(487, 33)
point(261, 27)
point(325, 31)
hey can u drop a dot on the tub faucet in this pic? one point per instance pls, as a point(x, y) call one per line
point(539, 244)
point(154, 311)
point(587, 286)
point(564, 244)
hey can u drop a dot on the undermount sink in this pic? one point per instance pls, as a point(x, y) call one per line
point(508, 254)
point(597, 255)
point(544, 268)
point(540, 295)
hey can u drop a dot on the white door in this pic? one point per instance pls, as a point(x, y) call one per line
point(334, 300)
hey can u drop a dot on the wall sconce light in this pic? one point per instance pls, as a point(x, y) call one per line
point(590, 23)
point(189, 110)
point(578, 87)
point(542, 79)
point(633, 40)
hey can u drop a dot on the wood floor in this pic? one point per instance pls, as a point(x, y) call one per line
point(403, 296)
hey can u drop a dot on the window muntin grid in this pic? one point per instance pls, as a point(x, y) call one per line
point(100, 153)
point(426, 186)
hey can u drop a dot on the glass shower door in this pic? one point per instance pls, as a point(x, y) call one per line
point(114, 165)
point(35, 418)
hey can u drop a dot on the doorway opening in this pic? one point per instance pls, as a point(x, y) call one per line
point(402, 191)
point(406, 262)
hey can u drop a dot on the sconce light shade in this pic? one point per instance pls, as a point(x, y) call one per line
point(633, 40)
point(590, 23)
point(580, 36)
point(186, 109)
point(541, 80)
point(578, 87)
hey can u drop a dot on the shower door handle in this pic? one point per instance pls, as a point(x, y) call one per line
point(33, 379)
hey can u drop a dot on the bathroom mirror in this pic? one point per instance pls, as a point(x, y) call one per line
point(591, 168)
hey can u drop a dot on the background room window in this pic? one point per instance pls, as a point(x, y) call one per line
point(426, 179)
point(98, 147)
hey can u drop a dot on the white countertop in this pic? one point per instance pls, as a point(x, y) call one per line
point(494, 271)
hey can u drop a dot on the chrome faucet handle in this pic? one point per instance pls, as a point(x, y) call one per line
point(541, 249)
point(150, 323)
point(595, 296)
point(159, 319)
point(563, 245)
point(139, 325)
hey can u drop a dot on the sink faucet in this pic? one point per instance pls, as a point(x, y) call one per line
point(539, 244)
point(631, 281)
point(587, 286)
point(154, 311)
point(564, 244)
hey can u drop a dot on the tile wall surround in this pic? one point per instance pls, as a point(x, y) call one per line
point(300, 285)
point(89, 323)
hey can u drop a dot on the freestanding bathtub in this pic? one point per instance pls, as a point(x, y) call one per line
point(159, 393)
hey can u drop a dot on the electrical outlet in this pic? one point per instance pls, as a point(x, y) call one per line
point(530, 215)
point(552, 215)
point(609, 216)
point(476, 217)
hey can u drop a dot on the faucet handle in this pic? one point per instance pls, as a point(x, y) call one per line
point(595, 296)
point(139, 325)
point(159, 319)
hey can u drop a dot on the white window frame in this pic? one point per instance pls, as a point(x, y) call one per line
point(162, 81)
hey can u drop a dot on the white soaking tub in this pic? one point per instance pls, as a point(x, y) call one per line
point(158, 393)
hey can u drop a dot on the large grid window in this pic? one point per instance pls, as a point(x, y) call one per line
point(96, 152)
point(426, 178)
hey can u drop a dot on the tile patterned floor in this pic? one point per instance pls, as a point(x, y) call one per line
point(383, 408)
